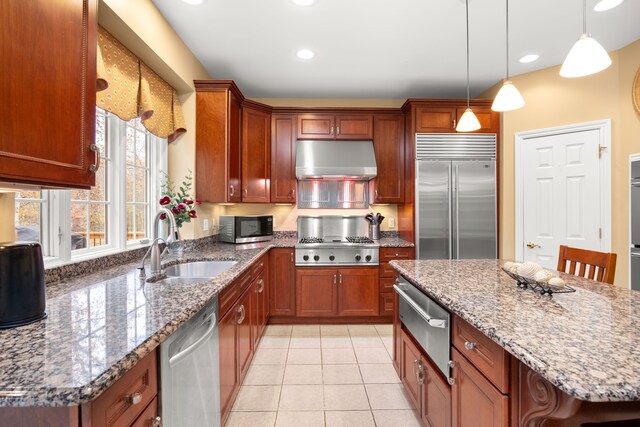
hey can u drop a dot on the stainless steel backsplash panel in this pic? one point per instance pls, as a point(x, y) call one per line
point(332, 227)
point(320, 194)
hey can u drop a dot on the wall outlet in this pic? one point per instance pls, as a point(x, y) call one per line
point(392, 223)
point(205, 225)
point(274, 223)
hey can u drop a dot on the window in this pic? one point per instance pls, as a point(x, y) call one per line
point(115, 214)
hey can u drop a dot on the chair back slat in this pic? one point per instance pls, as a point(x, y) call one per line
point(604, 262)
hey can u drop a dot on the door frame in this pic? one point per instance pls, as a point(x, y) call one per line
point(604, 128)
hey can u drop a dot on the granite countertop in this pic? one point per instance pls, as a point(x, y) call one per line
point(99, 325)
point(586, 343)
point(394, 242)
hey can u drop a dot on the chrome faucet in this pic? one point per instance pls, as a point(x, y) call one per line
point(154, 250)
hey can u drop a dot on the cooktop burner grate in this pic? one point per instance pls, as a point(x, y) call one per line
point(312, 240)
point(358, 239)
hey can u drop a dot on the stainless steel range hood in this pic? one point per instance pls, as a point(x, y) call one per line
point(335, 160)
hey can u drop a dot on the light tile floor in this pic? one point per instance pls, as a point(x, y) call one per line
point(323, 375)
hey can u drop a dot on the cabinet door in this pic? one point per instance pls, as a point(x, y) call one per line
point(227, 339)
point(489, 120)
point(436, 397)
point(245, 310)
point(149, 415)
point(316, 126)
point(256, 160)
point(388, 143)
point(475, 400)
point(283, 158)
point(358, 292)
point(435, 119)
point(411, 370)
point(316, 291)
point(218, 154)
point(282, 282)
point(48, 88)
point(386, 304)
point(354, 126)
point(259, 320)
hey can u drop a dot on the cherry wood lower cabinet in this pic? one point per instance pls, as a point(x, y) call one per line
point(260, 303)
point(475, 400)
point(229, 378)
point(428, 391)
point(388, 278)
point(282, 282)
point(343, 292)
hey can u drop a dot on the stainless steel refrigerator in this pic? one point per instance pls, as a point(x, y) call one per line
point(456, 196)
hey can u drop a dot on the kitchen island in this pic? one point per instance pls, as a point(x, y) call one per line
point(571, 356)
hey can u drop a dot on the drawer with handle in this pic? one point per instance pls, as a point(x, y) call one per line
point(487, 356)
point(126, 400)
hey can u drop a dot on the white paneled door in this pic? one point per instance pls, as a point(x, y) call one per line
point(561, 200)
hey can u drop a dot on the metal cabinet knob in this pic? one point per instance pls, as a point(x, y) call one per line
point(231, 190)
point(470, 345)
point(156, 422)
point(134, 398)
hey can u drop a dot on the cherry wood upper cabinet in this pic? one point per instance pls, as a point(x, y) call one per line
point(434, 118)
point(48, 88)
point(283, 158)
point(388, 143)
point(489, 119)
point(335, 126)
point(218, 155)
point(256, 157)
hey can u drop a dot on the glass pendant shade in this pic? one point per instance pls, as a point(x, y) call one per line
point(468, 122)
point(586, 57)
point(508, 98)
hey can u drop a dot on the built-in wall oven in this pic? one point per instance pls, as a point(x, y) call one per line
point(427, 322)
point(635, 225)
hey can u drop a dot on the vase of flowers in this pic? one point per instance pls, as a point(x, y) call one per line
point(178, 200)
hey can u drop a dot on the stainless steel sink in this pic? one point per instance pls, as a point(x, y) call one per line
point(199, 269)
point(181, 280)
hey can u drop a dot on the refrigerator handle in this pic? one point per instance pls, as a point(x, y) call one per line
point(457, 181)
point(450, 191)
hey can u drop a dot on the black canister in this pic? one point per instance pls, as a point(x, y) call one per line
point(22, 296)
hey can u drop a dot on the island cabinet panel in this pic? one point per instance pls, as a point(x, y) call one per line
point(256, 159)
point(40, 417)
point(358, 293)
point(487, 356)
point(283, 158)
point(436, 397)
point(410, 370)
point(48, 88)
point(317, 292)
point(475, 401)
point(218, 130)
point(282, 282)
point(335, 126)
point(149, 418)
point(397, 335)
point(388, 144)
point(123, 402)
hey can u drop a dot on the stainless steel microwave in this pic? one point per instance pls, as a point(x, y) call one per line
point(246, 229)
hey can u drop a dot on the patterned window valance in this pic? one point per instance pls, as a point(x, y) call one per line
point(128, 88)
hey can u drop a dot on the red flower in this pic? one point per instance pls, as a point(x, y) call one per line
point(181, 207)
point(193, 214)
point(163, 216)
point(165, 200)
point(176, 211)
point(198, 202)
point(187, 201)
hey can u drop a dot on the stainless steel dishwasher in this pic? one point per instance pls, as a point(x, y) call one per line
point(190, 393)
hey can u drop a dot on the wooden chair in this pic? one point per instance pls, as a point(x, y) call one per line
point(604, 262)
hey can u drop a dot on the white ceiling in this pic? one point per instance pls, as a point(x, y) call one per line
point(384, 48)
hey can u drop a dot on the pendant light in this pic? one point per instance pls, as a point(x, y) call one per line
point(468, 122)
point(508, 98)
point(587, 56)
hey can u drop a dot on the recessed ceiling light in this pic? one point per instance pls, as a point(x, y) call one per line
point(193, 2)
point(529, 58)
point(304, 2)
point(603, 5)
point(305, 54)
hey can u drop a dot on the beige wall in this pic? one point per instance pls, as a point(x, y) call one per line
point(555, 101)
point(7, 220)
point(142, 29)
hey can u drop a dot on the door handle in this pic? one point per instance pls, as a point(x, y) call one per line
point(94, 167)
point(335, 279)
point(532, 245)
point(241, 312)
point(635, 255)
point(340, 279)
point(231, 190)
point(261, 286)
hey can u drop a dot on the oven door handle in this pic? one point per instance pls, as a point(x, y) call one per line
point(187, 351)
point(435, 323)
